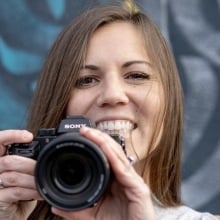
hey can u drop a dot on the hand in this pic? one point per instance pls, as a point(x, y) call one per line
point(18, 193)
point(128, 196)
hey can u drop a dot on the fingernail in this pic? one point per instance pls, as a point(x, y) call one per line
point(85, 128)
point(27, 135)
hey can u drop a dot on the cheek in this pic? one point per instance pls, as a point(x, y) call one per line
point(78, 104)
point(150, 103)
point(148, 117)
point(73, 108)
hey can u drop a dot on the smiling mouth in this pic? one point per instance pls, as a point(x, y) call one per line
point(115, 126)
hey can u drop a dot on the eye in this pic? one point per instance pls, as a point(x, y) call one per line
point(86, 82)
point(137, 76)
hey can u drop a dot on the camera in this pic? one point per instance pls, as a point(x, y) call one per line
point(72, 172)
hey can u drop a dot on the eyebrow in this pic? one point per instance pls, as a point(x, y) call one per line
point(90, 67)
point(125, 65)
point(129, 63)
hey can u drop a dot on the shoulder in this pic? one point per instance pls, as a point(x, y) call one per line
point(181, 213)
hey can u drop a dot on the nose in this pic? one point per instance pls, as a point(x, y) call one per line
point(113, 92)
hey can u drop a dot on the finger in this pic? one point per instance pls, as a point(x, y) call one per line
point(134, 185)
point(113, 151)
point(15, 194)
point(109, 146)
point(17, 163)
point(18, 179)
point(103, 140)
point(13, 136)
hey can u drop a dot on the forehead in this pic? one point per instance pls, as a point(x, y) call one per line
point(119, 30)
point(117, 40)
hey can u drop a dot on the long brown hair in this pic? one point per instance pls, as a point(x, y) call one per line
point(61, 70)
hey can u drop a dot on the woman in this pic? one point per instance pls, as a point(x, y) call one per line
point(111, 65)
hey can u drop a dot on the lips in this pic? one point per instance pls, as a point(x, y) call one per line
point(115, 126)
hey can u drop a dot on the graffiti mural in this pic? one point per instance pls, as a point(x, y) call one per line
point(28, 29)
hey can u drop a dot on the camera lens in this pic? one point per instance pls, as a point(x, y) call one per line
point(72, 173)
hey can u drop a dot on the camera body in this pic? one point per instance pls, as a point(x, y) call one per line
point(46, 135)
point(72, 172)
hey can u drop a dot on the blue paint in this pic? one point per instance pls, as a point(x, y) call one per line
point(57, 7)
point(17, 61)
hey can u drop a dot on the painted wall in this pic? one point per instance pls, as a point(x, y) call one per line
point(28, 29)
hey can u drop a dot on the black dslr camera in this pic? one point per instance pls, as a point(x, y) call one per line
point(72, 172)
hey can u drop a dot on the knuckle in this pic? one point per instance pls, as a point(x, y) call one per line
point(146, 191)
point(12, 178)
point(18, 193)
point(5, 163)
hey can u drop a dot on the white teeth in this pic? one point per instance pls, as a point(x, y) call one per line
point(118, 125)
point(115, 126)
point(111, 126)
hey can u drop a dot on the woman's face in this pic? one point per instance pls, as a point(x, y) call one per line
point(118, 88)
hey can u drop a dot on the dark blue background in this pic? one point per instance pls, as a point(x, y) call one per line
point(29, 27)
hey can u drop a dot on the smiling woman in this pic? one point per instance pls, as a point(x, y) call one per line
point(119, 88)
point(111, 65)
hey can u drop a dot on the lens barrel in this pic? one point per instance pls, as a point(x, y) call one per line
point(72, 173)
